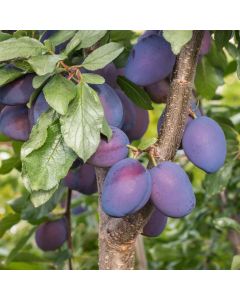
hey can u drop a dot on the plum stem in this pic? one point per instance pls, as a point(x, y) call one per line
point(192, 114)
point(152, 159)
point(69, 232)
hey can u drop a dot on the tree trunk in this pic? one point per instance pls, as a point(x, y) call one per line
point(117, 236)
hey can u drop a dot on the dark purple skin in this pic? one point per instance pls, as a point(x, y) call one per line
point(40, 106)
point(109, 153)
point(82, 179)
point(206, 43)
point(51, 235)
point(159, 91)
point(150, 61)
point(109, 72)
point(129, 111)
point(140, 126)
point(120, 72)
point(147, 33)
point(172, 192)
point(78, 210)
point(14, 122)
point(155, 225)
point(112, 105)
point(18, 91)
point(127, 188)
point(204, 144)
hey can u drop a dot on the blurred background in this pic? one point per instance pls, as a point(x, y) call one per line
point(209, 238)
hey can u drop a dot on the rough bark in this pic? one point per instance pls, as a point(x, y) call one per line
point(117, 236)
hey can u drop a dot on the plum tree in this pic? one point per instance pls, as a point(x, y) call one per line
point(40, 106)
point(155, 224)
point(140, 125)
point(82, 179)
point(158, 91)
point(206, 43)
point(172, 191)
point(204, 144)
point(109, 72)
point(150, 60)
point(51, 235)
point(112, 105)
point(18, 91)
point(129, 111)
point(195, 109)
point(127, 188)
point(14, 122)
point(110, 152)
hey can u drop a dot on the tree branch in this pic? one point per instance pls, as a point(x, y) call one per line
point(117, 236)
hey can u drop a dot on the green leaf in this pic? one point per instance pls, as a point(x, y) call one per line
point(122, 35)
point(222, 37)
point(122, 59)
point(59, 92)
point(238, 67)
point(9, 74)
point(217, 58)
point(92, 78)
point(34, 215)
point(146, 143)
point(82, 124)
point(135, 93)
point(7, 222)
point(106, 129)
point(177, 38)
point(19, 245)
point(207, 79)
point(9, 164)
point(235, 263)
point(232, 50)
point(44, 64)
point(23, 65)
point(215, 183)
point(84, 39)
point(19, 204)
point(38, 134)
point(47, 165)
point(61, 36)
point(5, 36)
point(38, 81)
point(17, 146)
point(102, 56)
point(226, 223)
point(23, 33)
point(40, 197)
point(24, 47)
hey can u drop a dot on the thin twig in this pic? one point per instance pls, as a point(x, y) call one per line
point(68, 217)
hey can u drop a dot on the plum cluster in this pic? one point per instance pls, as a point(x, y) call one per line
point(128, 186)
